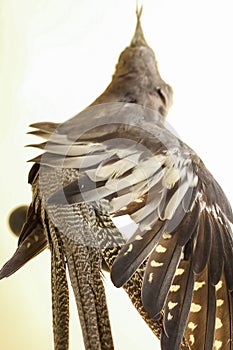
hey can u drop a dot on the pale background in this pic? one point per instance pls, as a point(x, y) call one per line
point(55, 58)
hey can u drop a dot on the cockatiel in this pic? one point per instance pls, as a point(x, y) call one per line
point(119, 157)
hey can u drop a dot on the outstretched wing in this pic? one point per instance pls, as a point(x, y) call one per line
point(126, 155)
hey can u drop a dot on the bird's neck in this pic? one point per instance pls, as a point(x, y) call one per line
point(137, 80)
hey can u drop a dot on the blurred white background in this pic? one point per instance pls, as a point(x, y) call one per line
point(57, 57)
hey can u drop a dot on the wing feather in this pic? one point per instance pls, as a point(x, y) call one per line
point(134, 252)
point(216, 254)
point(159, 274)
point(203, 243)
point(32, 241)
point(181, 212)
point(177, 307)
point(201, 323)
point(224, 316)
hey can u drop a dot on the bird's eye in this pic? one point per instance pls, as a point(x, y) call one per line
point(161, 94)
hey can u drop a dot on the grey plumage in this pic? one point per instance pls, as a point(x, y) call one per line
point(117, 157)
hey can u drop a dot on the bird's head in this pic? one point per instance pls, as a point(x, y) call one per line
point(137, 78)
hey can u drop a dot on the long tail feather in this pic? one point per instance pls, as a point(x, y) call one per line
point(90, 299)
point(59, 286)
point(84, 261)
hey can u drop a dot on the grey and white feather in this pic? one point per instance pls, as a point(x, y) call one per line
point(119, 157)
